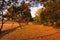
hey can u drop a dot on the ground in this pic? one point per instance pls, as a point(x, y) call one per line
point(12, 31)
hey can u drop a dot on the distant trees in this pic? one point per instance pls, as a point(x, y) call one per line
point(37, 15)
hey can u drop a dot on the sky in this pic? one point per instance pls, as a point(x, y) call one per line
point(33, 9)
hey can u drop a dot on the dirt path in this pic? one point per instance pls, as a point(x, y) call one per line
point(30, 32)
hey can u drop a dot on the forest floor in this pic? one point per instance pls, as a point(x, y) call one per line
point(12, 31)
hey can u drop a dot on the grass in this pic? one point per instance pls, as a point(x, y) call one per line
point(31, 31)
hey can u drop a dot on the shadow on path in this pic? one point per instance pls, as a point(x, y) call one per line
point(3, 33)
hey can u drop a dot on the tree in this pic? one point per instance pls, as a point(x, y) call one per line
point(52, 11)
point(25, 14)
point(20, 13)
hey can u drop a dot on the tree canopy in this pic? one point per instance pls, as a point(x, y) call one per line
point(19, 13)
point(51, 14)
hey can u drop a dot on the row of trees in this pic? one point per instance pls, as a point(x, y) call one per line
point(50, 14)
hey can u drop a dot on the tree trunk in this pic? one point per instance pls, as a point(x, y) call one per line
point(2, 22)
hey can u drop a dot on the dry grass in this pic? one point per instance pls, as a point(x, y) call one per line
point(29, 32)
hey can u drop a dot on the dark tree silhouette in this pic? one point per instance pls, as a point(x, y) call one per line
point(1, 9)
